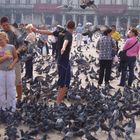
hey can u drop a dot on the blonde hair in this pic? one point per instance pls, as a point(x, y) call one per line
point(4, 36)
point(28, 27)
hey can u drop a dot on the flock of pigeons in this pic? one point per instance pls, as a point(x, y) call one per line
point(87, 112)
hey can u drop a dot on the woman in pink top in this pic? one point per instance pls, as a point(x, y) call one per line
point(132, 54)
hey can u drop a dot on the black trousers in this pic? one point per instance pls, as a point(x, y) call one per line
point(105, 71)
point(53, 48)
point(29, 68)
point(47, 48)
point(117, 45)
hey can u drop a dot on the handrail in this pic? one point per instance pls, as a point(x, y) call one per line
point(75, 6)
point(16, 6)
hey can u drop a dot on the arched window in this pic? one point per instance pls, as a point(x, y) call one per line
point(17, 1)
point(124, 1)
point(113, 1)
point(136, 3)
point(38, 1)
point(7, 1)
point(102, 1)
point(59, 1)
point(28, 2)
point(48, 1)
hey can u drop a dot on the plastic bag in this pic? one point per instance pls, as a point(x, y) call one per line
point(115, 59)
point(44, 51)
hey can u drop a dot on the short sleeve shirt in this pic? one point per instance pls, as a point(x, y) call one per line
point(8, 50)
point(12, 37)
point(65, 56)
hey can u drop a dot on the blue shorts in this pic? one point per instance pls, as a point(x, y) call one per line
point(64, 73)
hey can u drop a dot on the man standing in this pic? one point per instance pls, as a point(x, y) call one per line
point(13, 40)
point(64, 46)
point(64, 70)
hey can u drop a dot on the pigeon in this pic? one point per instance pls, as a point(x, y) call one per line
point(109, 136)
point(89, 136)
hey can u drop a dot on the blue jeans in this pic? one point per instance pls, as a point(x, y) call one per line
point(130, 64)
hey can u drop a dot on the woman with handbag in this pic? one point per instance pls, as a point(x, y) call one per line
point(128, 57)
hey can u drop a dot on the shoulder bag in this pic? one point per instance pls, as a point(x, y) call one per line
point(122, 54)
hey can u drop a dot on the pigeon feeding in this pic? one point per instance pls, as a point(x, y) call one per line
point(91, 109)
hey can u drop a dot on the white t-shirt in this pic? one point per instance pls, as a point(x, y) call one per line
point(31, 37)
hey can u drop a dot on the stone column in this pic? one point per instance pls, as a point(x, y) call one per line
point(118, 22)
point(106, 21)
point(128, 22)
point(74, 17)
point(95, 20)
point(53, 19)
point(12, 18)
point(130, 2)
point(22, 18)
point(119, 2)
point(85, 20)
point(32, 18)
point(43, 18)
point(63, 20)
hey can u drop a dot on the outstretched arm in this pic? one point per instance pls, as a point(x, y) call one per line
point(41, 31)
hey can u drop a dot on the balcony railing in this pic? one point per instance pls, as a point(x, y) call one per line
point(134, 7)
point(31, 6)
point(16, 6)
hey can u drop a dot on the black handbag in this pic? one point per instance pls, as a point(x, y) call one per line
point(113, 50)
point(122, 54)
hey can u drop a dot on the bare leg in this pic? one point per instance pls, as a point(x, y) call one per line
point(19, 92)
point(61, 94)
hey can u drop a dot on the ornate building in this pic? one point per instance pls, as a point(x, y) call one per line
point(119, 12)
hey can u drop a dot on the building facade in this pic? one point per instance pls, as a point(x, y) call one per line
point(119, 12)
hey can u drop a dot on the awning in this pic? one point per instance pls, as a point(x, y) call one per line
point(116, 9)
point(47, 8)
